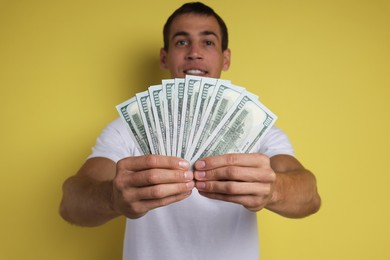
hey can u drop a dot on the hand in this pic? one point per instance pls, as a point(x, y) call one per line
point(245, 179)
point(147, 182)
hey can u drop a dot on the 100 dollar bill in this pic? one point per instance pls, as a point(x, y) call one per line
point(146, 112)
point(156, 100)
point(191, 92)
point(196, 117)
point(241, 129)
point(168, 86)
point(221, 100)
point(177, 113)
point(130, 114)
point(205, 92)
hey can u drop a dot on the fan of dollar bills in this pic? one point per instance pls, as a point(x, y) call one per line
point(196, 117)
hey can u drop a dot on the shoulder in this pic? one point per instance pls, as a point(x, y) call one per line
point(116, 129)
point(116, 125)
point(276, 142)
point(114, 142)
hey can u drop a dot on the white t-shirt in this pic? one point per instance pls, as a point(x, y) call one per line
point(195, 228)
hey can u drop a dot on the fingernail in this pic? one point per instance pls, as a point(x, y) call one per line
point(200, 165)
point(200, 175)
point(190, 185)
point(200, 185)
point(184, 164)
point(188, 175)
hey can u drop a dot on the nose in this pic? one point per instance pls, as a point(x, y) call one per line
point(194, 52)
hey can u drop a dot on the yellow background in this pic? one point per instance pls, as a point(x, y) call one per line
point(321, 66)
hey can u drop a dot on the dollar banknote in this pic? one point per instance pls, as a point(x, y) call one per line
point(168, 86)
point(191, 92)
point(156, 100)
point(129, 112)
point(146, 112)
point(177, 113)
point(240, 130)
point(222, 99)
point(195, 117)
point(206, 89)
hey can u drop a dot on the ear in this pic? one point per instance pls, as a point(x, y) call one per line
point(226, 59)
point(163, 59)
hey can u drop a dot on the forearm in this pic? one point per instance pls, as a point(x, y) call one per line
point(294, 194)
point(86, 202)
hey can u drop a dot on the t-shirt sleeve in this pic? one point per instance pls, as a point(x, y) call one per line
point(275, 142)
point(114, 143)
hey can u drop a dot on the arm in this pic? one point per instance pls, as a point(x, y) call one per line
point(280, 183)
point(294, 192)
point(86, 195)
point(103, 190)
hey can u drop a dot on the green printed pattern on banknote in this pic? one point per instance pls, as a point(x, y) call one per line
point(168, 86)
point(191, 92)
point(156, 99)
point(241, 129)
point(206, 90)
point(223, 98)
point(178, 111)
point(144, 103)
point(196, 117)
point(129, 112)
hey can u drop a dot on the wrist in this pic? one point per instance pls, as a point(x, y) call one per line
point(110, 197)
point(275, 195)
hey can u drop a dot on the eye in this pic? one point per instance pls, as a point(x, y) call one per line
point(181, 43)
point(209, 43)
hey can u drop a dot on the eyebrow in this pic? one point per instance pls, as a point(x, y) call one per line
point(203, 33)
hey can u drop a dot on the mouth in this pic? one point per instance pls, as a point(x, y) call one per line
point(196, 72)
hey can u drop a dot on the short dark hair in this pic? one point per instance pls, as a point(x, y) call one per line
point(196, 8)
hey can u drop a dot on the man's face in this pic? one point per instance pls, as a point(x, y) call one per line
point(195, 47)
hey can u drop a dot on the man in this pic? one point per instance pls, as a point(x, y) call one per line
point(173, 212)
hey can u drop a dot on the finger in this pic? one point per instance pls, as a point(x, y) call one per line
point(163, 190)
point(158, 176)
point(250, 202)
point(144, 206)
point(234, 173)
point(139, 163)
point(246, 160)
point(234, 188)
